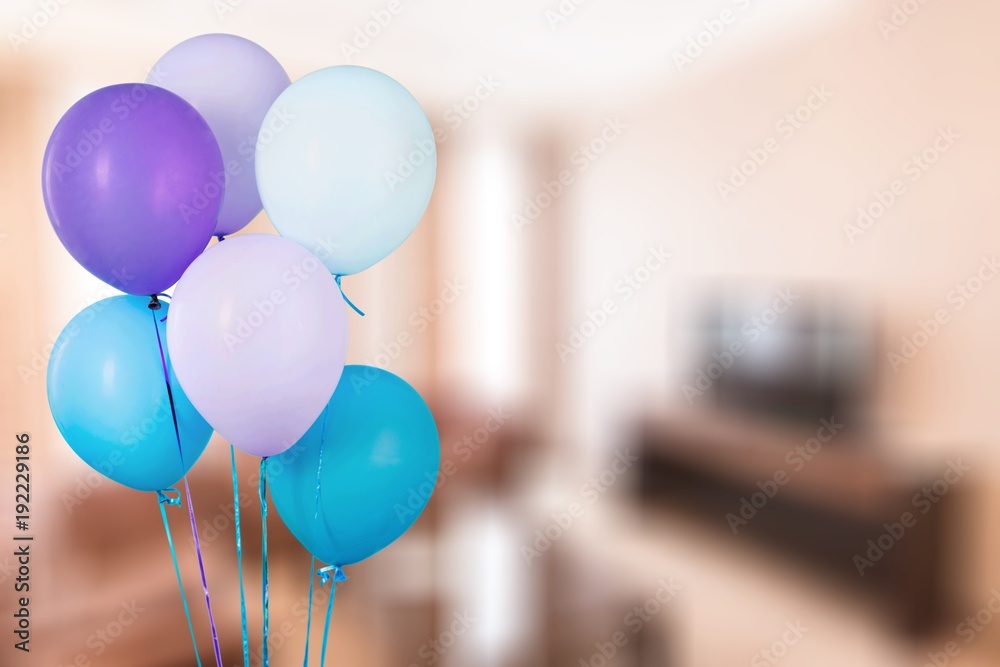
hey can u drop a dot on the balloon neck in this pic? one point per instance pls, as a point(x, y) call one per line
point(221, 237)
point(154, 302)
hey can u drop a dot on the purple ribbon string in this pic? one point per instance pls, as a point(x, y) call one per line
point(187, 489)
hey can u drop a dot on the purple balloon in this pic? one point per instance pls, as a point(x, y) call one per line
point(133, 184)
point(258, 338)
point(232, 82)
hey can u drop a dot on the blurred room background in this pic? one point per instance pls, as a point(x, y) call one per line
point(703, 306)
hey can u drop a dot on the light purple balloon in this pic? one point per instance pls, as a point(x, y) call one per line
point(258, 338)
point(232, 82)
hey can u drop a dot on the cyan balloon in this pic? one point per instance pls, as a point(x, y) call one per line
point(346, 163)
point(380, 452)
point(109, 398)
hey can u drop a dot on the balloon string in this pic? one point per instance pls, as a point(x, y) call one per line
point(263, 539)
point(324, 576)
point(187, 492)
point(165, 500)
point(349, 302)
point(239, 558)
point(312, 562)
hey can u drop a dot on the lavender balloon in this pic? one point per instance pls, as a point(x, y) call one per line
point(131, 182)
point(232, 82)
point(258, 337)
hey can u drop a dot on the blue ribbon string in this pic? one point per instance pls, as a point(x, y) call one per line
point(349, 302)
point(239, 558)
point(312, 560)
point(187, 492)
point(325, 576)
point(165, 500)
point(263, 548)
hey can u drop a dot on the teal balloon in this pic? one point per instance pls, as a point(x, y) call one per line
point(109, 398)
point(380, 458)
point(346, 161)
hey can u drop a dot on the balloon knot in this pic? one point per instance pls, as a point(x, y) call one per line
point(324, 574)
point(154, 302)
point(165, 499)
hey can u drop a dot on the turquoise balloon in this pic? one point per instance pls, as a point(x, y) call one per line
point(345, 164)
point(380, 457)
point(109, 399)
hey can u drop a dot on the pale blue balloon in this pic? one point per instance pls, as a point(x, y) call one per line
point(380, 457)
point(346, 163)
point(109, 398)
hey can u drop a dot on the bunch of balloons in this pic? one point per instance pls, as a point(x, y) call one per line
point(137, 180)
